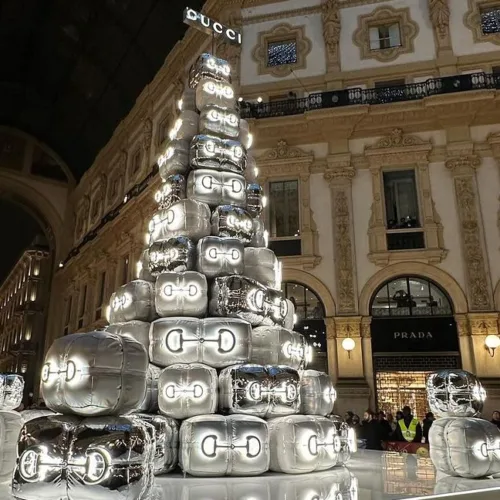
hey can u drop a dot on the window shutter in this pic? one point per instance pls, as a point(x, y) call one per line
point(395, 35)
point(374, 39)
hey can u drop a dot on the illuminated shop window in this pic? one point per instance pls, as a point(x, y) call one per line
point(281, 53)
point(410, 296)
point(490, 20)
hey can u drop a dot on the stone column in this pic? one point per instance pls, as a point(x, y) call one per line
point(465, 342)
point(331, 346)
point(366, 344)
point(463, 164)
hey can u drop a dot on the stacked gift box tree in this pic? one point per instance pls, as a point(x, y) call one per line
point(200, 355)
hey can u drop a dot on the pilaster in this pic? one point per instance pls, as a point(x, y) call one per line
point(439, 13)
point(331, 346)
point(330, 16)
point(465, 342)
point(462, 164)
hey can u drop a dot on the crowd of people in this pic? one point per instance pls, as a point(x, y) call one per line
point(375, 428)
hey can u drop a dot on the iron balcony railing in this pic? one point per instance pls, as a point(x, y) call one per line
point(379, 95)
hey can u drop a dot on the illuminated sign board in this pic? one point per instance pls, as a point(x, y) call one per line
point(211, 27)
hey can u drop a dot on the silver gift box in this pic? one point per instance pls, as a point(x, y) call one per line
point(11, 423)
point(238, 297)
point(171, 191)
point(317, 394)
point(261, 391)
point(215, 445)
point(174, 159)
point(255, 199)
point(259, 238)
point(28, 415)
point(181, 294)
point(232, 222)
point(188, 218)
point(142, 268)
point(216, 342)
point(11, 391)
point(187, 390)
point(188, 100)
point(302, 444)
point(213, 92)
point(465, 447)
point(348, 439)
point(251, 172)
point(133, 301)
point(215, 120)
point(209, 66)
point(94, 374)
point(262, 265)
point(150, 401)
point(208, 151)
point(245, 136)
point(217, 188)
point(274, 345)
point(289, 321)
point(455, 393)
point(276, 308)
point(166, 438)
point(172, 255)
point(185, 126)
point(73, 458)
point(220, 256)
point(135, 330)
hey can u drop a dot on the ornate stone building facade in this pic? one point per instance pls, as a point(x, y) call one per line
point(378, 145)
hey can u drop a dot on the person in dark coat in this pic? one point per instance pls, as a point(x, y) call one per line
point(409, 429)
point(348, 418)
point(385, 426)
point(427, 423)
point(371, 431)
point(495, 418)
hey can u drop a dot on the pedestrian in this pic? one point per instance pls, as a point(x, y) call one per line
point(348, 417)
point(495, 418)
point(392, 422)
point(371, 431)
point(385, 426)
point(426, 426)
point(409, 428)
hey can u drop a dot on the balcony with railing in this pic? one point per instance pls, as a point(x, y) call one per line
point(381, 95)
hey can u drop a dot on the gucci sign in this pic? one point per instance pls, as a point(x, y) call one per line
point(211, 27)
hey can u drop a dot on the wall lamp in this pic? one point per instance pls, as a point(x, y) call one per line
point(491, 342)
point(348, 345)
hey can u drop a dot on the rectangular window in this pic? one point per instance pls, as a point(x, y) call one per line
point(163, 131)
point(82, 306)
point(385, 36)
point(284, 214)
point(124, 271)
point(281, 53)
point(136, 161)
point(490, 20)
point(100, 295)
point(67, 317)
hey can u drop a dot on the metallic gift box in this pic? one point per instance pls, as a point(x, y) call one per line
point(274, 345)
point(187, 390)
point(181, 294)
point(251, 172)
point(276, 308)
point(216, 188)
point(255, 199)
point(348, 439)
point(289, 321)
point(150, 401)
point(185, 127)
point(94, 374)
point(11, 391)
point(220, 121)
point(317, 394)
point(209, 66)
point(232, 222)
point(11, 423)
point(216, 342)
point(142, 268)
point(135, 330)
point(465, 447)
point(245, 136)
point(171, 191)
point(133, 301)
point(262, 265)
point(259, 238)
point(172, 255)
point(188, 100)
point(261, 391)
point(215, 445)
point(213, 92)
point(220, 256)
point(301, 444)
point(73, 458)
point(166, 438)
point(208, 151)
point(455, 393)
point(174, 160)
point(188, 218)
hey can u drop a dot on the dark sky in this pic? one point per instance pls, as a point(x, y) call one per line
point(18, 231)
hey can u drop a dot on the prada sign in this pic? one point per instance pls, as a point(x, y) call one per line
point(211, 27)
point(414, 335)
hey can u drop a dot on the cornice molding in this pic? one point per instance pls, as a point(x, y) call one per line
point(284, 152)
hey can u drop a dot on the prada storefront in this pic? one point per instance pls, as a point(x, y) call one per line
point(413, 333)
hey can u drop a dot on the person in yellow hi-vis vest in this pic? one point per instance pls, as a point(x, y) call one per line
point(409, 428)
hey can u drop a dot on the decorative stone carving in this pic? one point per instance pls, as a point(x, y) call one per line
point(279, 33)
point(348, 327)
point(284, 151)
point(147, 136)
point(330, 15)
point(439, 12)
point(483, 324)
point(472, 20)
point(478, 285)
point(382, 16)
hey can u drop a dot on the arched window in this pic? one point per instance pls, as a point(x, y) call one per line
point(310, 314)
point(410, 296)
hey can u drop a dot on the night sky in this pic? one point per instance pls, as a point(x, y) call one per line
point(18, 231)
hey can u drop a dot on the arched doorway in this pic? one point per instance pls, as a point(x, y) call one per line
point(413, 333)
point(310, 314)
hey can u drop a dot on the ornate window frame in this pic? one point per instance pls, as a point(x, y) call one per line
point(472, 20)
point(285, 162)
point(399, 151)
point(280, 33)
point(382, 16)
